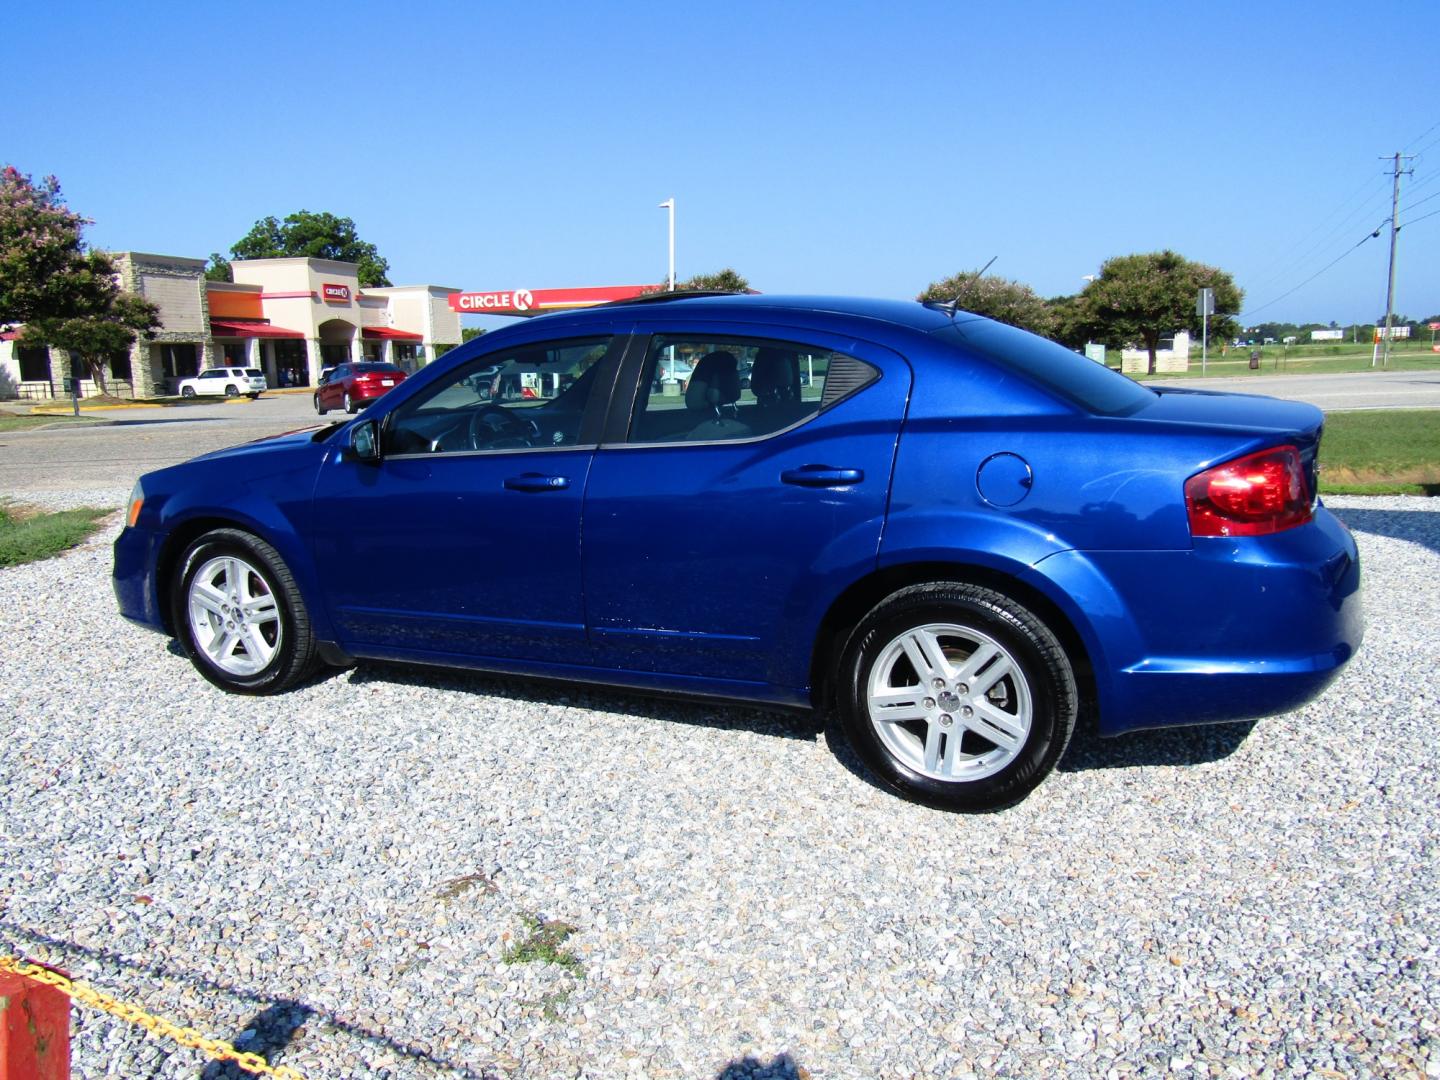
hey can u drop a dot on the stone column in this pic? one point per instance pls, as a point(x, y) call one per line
point(313, 359)
point(357, 348)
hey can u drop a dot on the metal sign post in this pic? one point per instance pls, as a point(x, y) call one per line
point(1205, 307)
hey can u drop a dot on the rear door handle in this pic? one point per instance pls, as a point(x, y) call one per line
point(537, 482)
point(822, 476)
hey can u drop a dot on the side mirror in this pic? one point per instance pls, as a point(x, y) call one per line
point(363, 442)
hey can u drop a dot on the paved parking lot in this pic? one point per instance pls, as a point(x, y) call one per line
point(334, 876)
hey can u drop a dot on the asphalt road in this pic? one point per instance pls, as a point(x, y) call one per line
point(133, 441)
point(129, 442)
point(1334, 393)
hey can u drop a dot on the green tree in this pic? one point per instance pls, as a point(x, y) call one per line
point(1143, 297)
point(1001, 299)
point(726, 280)
point(314, 236)
point(218, 268)
point(64, 295)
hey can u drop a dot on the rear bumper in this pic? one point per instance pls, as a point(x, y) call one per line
point(136, 556)
point(1233, 629)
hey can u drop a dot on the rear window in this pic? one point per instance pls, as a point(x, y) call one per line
point(375, 369)
point(254, 373)
point(1088, 384)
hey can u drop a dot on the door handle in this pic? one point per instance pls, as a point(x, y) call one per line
point(822, 476)
point(536, 482)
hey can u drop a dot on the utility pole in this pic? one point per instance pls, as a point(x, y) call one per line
point(1394, 233)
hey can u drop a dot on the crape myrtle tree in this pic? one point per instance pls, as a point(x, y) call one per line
point(63, 294)
point(726, 280)
point(309, 235)
point(1144, 297)
point(1011, 302)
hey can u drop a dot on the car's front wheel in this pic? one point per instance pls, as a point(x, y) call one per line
point(187, 391)
point(239, 615)
point(318, 407)
point(231, 390)
point(957, 696)
point(349, 405)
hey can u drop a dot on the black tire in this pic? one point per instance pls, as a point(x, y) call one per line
point(187, 391)
point(295, 657)
point(321, 409)
point(349, 405)
point(231, 390)
point(1038, 658)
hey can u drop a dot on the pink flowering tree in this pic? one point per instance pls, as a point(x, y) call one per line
point(62, 293)
point(1006, 301)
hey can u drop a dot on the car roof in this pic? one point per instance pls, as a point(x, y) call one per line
point(910, 314)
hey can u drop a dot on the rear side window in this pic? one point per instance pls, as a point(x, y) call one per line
point(254, 373)
point(727, 389)
point(1090, 385)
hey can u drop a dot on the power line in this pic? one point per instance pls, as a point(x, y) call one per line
point(1270, 303)
point(1283, 265)
point(1422, 135)
point(1422, 217)
point(1417, 202)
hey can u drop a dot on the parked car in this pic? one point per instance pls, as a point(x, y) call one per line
point(349, 386)
point(961, 540)
point(224, 381)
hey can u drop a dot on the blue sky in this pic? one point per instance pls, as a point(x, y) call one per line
point(838, 148)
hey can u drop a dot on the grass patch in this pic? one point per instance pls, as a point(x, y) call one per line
point(29, 537)
point(544, 943)
point(25, 423)
point(1381, 452)
point(1275, 360)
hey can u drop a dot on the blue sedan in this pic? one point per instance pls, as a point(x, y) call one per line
point(955, 536)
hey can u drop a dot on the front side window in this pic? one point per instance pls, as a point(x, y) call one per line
point(532, 396)
point(709, 389)
point(212, 373)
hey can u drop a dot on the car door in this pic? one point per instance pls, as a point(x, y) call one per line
point(718, 519)
point(211, 381)
point(464, 539)
point(332, 391)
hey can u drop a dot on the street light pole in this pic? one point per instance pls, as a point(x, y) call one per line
point(669, 204)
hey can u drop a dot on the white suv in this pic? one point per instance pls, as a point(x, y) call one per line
point(229, 381)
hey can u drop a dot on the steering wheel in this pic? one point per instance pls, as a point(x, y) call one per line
point(494, 428)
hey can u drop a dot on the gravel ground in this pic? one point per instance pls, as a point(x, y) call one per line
point(333, 877)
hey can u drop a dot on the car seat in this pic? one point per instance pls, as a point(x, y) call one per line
point(714, 388)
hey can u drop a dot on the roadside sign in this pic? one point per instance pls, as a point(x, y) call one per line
point(1205, 303)
point(527, 301)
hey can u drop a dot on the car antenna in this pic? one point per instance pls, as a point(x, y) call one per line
point(950, 307)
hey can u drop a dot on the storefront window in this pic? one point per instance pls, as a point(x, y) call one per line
point(179, 361)
point(120, 365)
point(234, 354)
point(409, 355)
point(291, 365)
point(34, 364)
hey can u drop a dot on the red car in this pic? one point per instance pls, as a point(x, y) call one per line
point(351, 386)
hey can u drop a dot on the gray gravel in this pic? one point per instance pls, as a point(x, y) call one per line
point(334, 876)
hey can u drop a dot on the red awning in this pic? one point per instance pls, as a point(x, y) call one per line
point(384, 332)
point(233, 328)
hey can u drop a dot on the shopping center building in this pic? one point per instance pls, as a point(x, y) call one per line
point(288, 317)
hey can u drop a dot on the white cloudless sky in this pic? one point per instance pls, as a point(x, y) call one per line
point(829, 148)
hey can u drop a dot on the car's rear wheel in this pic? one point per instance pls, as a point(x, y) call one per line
point(349, 405)
point(239, 615)
point(187, 391)
point(957, 696)
point(231, 390)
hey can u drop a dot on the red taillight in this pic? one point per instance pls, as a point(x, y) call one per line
point(1251, 496)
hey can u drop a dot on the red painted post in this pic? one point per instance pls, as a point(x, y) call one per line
point(34, 1030)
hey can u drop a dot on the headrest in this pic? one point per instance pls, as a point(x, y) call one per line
point(776, 375)
point(715, 381)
